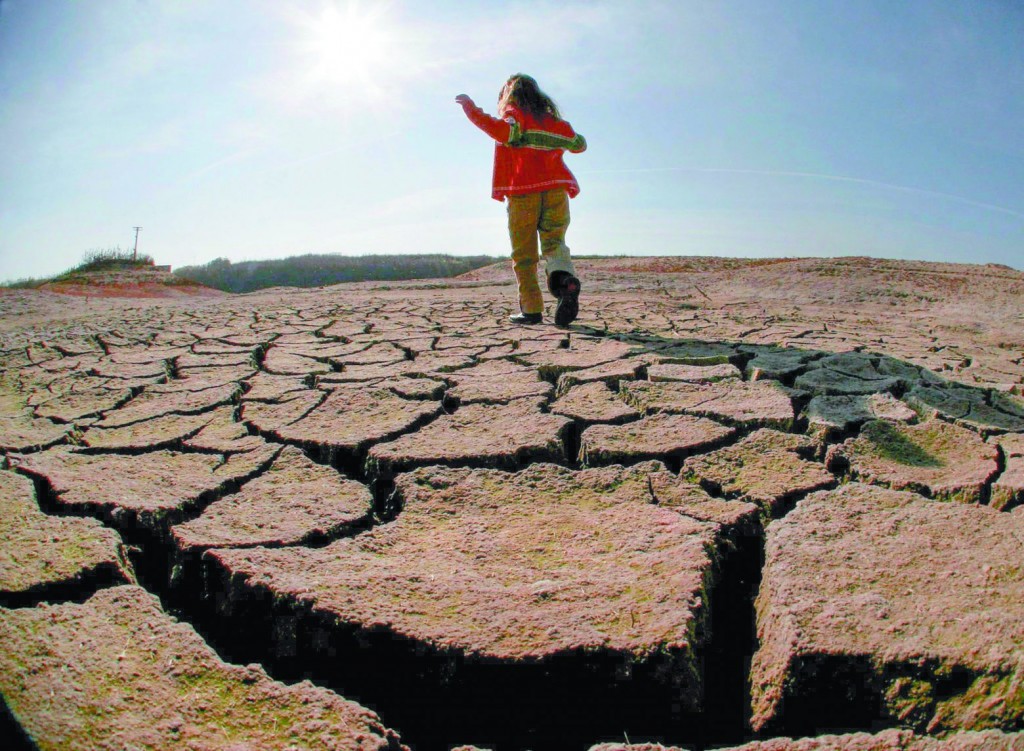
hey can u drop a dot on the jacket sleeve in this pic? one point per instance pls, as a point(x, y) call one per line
point(503, 131)
point(545, 140)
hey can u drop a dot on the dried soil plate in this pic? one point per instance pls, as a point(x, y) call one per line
point(350, 418)
point(223, 434)
point(592, 403)
point(73, 406)
point(140, 490)
point(118, 672)
point(767, 467)
point(582, 352)
point(611, 373)
point(887, 740)
point(39, 552)
point(158, 432)
point(154, 404)
point(935, 458)
point(1008, 489)
point(831, 416)
point(293, 501)
point(776, 364)
point(496, 382)
point(25, 433)
point(511, 567)
point(497, 435)
point(660, 436)
point(754, 404)
point(693, 373)
point(872, 592)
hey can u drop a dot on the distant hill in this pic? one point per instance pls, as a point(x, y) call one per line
point(318, 270)
point(128, 281)
point(115, 272)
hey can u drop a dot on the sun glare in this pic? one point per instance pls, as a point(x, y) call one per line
point(349, 46)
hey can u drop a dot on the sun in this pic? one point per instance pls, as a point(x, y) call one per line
point(349, 46)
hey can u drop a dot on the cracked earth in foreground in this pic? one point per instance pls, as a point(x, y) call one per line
point(760, 504)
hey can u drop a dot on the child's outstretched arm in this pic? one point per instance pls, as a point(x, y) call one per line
point(502, 131)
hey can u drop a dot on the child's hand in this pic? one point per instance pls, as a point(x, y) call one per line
point(464, 100)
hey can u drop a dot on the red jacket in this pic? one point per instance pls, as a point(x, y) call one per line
point(528, 152)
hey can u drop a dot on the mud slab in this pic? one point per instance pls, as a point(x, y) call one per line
point(982, 411)
point(693, 373)
point(223, 434)
point(694, 352)
point(42, 555)
point(294, 501)
point(158, 432)
point(496, 382)
point(870, 607)
point(72, 406)
point(661, 436)
point(846, 373)
point(349, 419)
point(268, 417)
point(1008, 489)
point(522, 567)
point(935, 458)
point(267, 387)
point(776, 363)
point(152, 404)
point(23, 433)
point(427, 389)
point(279, 361)
point(670, 491)
point(611, 373)
point(118, 672)
point(487, 435)
point(767, 468)
point(134, 492)
point(201, 379)
point(746, 403)
point(887, 740)
point(581, 353)
point(594, 403)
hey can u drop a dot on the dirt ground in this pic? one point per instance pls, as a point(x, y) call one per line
point(735, 502)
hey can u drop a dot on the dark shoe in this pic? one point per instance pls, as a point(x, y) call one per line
point(568, 300)
point(526, 318)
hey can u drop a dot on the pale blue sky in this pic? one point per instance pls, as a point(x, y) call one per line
point(264, 129)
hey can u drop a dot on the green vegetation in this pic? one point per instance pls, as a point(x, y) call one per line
point(309, 270)
point(317, 270)
point(29, 282)
point(109, 259)
point(889, 443)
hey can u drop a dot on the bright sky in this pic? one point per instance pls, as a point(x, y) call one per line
point(253, 129)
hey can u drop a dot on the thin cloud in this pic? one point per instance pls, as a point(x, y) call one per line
point(815, 176)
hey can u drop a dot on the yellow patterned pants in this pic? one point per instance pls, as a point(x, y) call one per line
point(543, 216)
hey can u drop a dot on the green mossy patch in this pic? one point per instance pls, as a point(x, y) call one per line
point(890, 443)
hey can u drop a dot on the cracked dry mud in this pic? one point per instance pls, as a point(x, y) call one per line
point(762, 504)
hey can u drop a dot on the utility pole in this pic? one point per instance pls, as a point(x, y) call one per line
point(135, 250)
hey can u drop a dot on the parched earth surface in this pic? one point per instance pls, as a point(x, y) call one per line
point(762, 504)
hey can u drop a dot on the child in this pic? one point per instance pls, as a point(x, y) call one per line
point(530, 174)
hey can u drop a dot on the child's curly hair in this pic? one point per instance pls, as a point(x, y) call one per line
point(522, 91)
